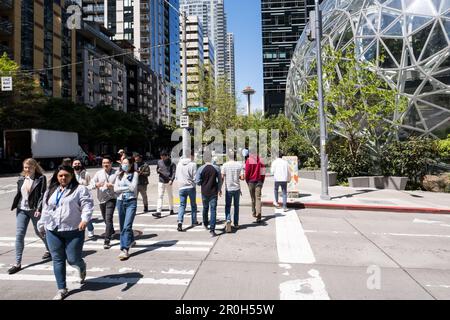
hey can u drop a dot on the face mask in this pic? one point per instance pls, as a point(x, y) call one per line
point(125, 167)
point(77, 168)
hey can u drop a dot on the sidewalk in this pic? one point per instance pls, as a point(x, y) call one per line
point(346, 198)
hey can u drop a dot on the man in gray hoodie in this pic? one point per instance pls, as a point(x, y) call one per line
point(185, 176)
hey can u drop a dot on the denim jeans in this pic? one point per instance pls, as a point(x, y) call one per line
point(66, 245)
point(127, 212)
point(232, 196)
point(283, 186)
point(22, 220)
point(207, 203)
point(107, 210)
point(184, 194)
point(90, 226)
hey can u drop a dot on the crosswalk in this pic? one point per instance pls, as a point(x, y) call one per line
point(162, 256)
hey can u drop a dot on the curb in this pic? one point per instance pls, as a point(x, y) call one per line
point(357, 207)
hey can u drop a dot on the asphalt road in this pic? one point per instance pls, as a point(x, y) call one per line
point(305, 254)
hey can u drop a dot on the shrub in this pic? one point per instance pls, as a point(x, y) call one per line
point(443, 148)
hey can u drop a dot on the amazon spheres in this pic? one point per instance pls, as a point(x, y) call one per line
point(412, 36)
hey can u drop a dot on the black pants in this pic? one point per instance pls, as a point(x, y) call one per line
point(107, 210)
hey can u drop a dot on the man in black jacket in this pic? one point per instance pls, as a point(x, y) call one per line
point(144, 172)
point(166, 170)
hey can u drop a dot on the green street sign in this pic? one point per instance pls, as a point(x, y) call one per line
point(198, 109)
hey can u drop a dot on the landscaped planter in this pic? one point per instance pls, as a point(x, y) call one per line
point(317, 175)
point(379, 182)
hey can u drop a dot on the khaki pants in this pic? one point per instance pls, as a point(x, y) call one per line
point(255, 192)
point(162, 187)
point(142, 190)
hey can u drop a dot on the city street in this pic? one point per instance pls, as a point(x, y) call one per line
point(303, 254)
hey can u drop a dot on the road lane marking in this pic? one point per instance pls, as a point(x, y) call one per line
point(151, 247)
point(292, 244)
point(426, 221)
point(106, 279)
point(312, 288)
point(412, 235)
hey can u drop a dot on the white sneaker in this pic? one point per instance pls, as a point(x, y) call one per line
point(276, 205)
point(91, 234)
point(124, 255)
point(61, 294)
point(228, 227)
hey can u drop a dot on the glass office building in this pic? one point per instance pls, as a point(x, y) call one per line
point(413, 36)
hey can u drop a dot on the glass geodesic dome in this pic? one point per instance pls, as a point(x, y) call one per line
point(413, 36)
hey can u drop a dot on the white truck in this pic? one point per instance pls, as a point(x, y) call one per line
point(48, 147)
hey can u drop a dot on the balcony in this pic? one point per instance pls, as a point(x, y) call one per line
point(6, 4)
point(105, 71)
point(6, 27)
point(145, 6)
point(145, 40)
point(120, 91)
point(145, 17)
point(105, 88)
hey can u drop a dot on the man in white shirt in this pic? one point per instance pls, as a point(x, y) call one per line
point(282, 176)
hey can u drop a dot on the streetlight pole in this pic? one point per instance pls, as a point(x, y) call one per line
point(323, 124)
point(186, 135)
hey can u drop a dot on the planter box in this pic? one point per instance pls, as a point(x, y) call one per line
point(317, 175)
point(379, 182)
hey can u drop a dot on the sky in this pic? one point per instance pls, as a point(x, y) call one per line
point(244, 20)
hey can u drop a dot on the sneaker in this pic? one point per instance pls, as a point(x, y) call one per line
point(14, 269)
point(61, 294)
point(258, 220)
point(91, 234)
point(46, 255)
point(124, 255)
point(228, 227)
point(106, 245)
point(254, 214)
point(213, 233)
point(285, 209)
point(145, 209)
point(133, 244)
point(196, 224)
point(205, 225)
point(275, 204)
point(236, 226)
point(172, 213)
point(157, 214)
point(180, 227)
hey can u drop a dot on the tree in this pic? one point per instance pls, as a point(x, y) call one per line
point(359, 105)
point(21, 107)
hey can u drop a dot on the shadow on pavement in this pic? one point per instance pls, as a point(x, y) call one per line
point(263, 222)
point(363, 191)
point(152, 247)
point(109, 281)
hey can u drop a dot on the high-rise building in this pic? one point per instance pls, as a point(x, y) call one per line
point(208, 57)
point(283, 21)
point(34, 34)
point(230, 65)
point(194, 57)
point(213, 19)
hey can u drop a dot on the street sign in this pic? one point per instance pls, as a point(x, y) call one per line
point(6, 83)
point(198, 109)
point(184, 121)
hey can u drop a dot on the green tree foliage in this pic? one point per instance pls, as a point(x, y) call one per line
point(443, 147)
point(359, 107)
point(21, 107)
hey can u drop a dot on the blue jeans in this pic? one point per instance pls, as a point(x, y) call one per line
point(90, 226)
point(66, 245)
point(207, 203)
point(22, 220)
point(283, 186)
point(232, 196)
point(127, 212)
point(184, 194)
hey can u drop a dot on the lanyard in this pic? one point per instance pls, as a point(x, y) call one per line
point(59, 195)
